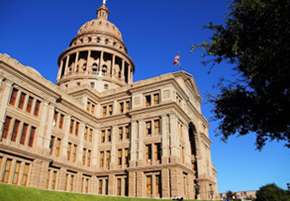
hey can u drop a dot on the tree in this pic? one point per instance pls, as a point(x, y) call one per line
point(254, 38)
point(271, 192)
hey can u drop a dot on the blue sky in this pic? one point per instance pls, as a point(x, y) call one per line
point(35, 32)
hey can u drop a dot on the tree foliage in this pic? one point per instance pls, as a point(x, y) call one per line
point(271, 192)
point(254, 38)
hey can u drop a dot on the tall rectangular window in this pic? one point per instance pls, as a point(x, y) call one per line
point(127, 132)
point(91, 135)
point(16, 173)
point(29, 104)
point(157, 152)
point(147, 100)
point(120, 135)
point(57, 147)
point(119, 156)
point(86, 133)
point(89, 158)
point(93, 109)
point(127, 157)
point(69, 146)
point(87, 185)
point(148, 128)
point(100, 187)
point(119, 187)
point(149, 185)
point(71, 126)
point(6, 127)
point(127, 106)
point(23, 134)
point(15, 130)
point(104, 111)
point(84, 156)
point(25, 174)
point(13, 97)
point(158, 185)
point(88, 106)
point(121, 107)
point(31, 137)
point(106, 186)
point(101, 159)
point(103, 136)
point(72, 177)
point(61, 121)
point(7, 170)
point(21, 100)
point(108, 156)
point(55, 118)
point(1, 161)
point(74, 153)
point(110, 108)
point(148, 152)
point(77, 129)
point(156, 99)
point(36, 108)
point(156, 127)
point(53, 181)
point(47, 179)
point(109, 135)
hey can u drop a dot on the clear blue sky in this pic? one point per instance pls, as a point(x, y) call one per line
point(35, 32)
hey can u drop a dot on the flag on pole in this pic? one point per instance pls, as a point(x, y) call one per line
point(177, 60)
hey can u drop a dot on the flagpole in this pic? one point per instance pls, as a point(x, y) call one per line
point(179, 61)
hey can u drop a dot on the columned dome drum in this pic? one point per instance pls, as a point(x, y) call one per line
point(97, 57)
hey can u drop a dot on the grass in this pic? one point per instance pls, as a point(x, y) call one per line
point(18, 193)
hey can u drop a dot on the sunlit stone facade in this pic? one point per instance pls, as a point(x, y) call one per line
point(96, 131)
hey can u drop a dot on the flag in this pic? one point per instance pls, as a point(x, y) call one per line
point(177, 60)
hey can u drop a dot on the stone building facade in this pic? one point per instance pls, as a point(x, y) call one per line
point(96, 131)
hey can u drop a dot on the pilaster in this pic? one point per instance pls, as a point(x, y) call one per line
point(113, 150)
point(48, 131)
point(165, 183)
point(133, 148)
point(67, 120)
point(141, 143)
point(4, 102)
point(165, 142)
point(41, 129)
point(95, 148)
point(81, 145)
point(174, 140)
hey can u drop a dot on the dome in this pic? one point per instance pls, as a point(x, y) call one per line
point(100, 26)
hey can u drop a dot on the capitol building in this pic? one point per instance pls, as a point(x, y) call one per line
point(96, 131)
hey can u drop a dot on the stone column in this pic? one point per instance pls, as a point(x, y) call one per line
point(165, 142)
point(123, 70)
point(61, 179)
point(113, 65)
point(101, 61)
point(76, 62)
point(81, 145)
point(88, 66)
point(187, 147)
point(165, 183)
point(112, 184)
point(175, 182)
point(35, 171)
point(141, 184)
point(113, 150)
point(66, 65)
point(41, 129)
point(48, 130)
point(174, 140)
point(132, 184)
point(129, 73)
point(95, 149)
point(43, 174)
point(141, 144)
point(59, 70)
point(3, 103)
point(67, 120)
point(133, 149)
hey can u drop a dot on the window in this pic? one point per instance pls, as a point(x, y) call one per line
point(16, 173)
point(120, 134)
point(127, 157)
point(127, 106)
point(21, 100)
point(104, 111)
point(91, 135)
point(36, 109)
point(148, 128)
point(53, 181)
point(51, 146)
point(7, 170)
point(110, 110)
point(31, 138)
point(89, 158)
point(156, 99)
point(100, 186)
point(13, 97)
point(107, 186)
point(55, 118)
point(120, 157)
point(77, 129)
point(47, 180)
point(71, 126)
point(74, 153)
point(15, 130)
point(148, 100)
point(121, 107)
point(99, 39)
point(149, 185)
point(127, 132)
point(25, 174)
point(29, 104)
point(61, 121)
point(148, 152)
point(101, 159)
point(86, 133)
point(106, 86)
point(93, 109)
point(108, 158)
point(103, 136)
point(92, 84)
point(84, 156)
point(6, 127)
point(158, 185)
point(88, 106)
point(119, 187)
point(72, 177)
point(57, 147)
point(157, 152)
point(156, 127)
point(1, 161)
point(23, 134)
point(109, 131)
point(69, 147)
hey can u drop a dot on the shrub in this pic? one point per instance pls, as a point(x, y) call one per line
point(271, 192)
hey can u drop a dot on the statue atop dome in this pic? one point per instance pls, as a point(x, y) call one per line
point(104, 1)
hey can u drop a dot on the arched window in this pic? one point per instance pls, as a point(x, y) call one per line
point(89, 39)
point(98, 40)
point(107, 41)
